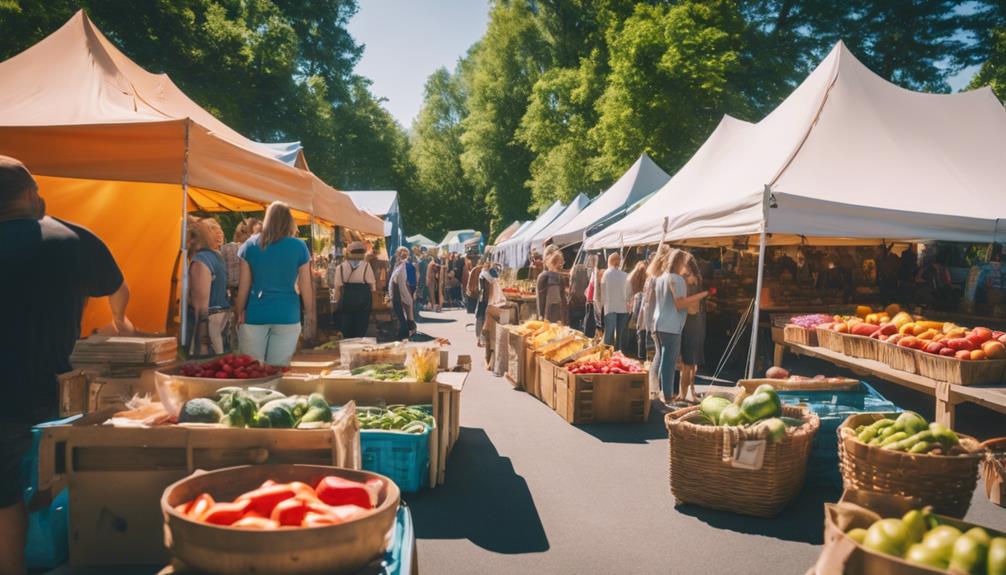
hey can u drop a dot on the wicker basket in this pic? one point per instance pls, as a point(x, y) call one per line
point(859, 346)
point(702, 470)
point(994, 470)
point(953, 370)
point(897, 357)
point(946, 482)
point(800, 335)
point(830, 340)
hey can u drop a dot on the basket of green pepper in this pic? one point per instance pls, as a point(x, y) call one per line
point(903, 454)
point(394, 441)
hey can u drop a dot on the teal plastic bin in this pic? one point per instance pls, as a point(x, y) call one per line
point(48, 543)
point(834, 407)
point(403, 457)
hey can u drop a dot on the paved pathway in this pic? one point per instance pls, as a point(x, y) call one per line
point(528, 493)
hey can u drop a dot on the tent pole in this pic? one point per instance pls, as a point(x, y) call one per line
point(758, 284)
point(183, 307)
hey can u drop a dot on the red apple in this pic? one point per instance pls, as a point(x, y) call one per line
point(933, 347)
point(994, 350)
point(948, 352)
point(978, 355)
point(981, 334)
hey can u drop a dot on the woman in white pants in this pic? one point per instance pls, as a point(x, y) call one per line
point(273, 262)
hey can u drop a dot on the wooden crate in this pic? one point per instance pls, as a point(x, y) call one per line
point(87, 392)
point(516, 346)
point(116, 476)
point(798, 335)
point(529, 370)
point(953, 370)
point(597, 398)
point(547, 373)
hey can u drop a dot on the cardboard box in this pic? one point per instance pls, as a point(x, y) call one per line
point(597, 398)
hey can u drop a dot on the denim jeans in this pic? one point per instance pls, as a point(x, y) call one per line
point(614, 329)
point(273, 344)
point(669, 346)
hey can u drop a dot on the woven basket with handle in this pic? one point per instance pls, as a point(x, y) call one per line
point(946, 482)
point(702, 469)
point(994, 470)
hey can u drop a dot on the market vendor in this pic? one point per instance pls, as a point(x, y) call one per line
point(55, 267)
point(354, 283)
point(551, 290)
point(209, 309)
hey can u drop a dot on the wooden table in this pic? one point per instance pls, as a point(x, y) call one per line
point(947, 395)
point(522, 302)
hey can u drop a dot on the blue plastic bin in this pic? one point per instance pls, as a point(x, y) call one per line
point(833, 407)
point(404, 457)
point(48, 543)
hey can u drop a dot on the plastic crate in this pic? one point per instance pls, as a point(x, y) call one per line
point(833, 407)
point(404, 457)
point(48, 543)
point(401, 555)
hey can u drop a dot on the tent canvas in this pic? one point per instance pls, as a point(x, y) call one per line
point(515, 251)
point(454, 240)
point(577, 205)
point(383, 204)
point(509, 231)
point(642, 178)
point(421, 241)
point(109, 142)
point(846, 155)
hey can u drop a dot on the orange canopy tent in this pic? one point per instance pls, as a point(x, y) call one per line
point(127, 154)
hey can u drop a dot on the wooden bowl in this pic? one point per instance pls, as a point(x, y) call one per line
point(221, 550)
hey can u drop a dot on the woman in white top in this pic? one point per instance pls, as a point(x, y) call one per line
point(669, 315)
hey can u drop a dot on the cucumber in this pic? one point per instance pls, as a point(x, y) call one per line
point(894, 437)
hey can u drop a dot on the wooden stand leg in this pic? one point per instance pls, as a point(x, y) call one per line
point(778, 354)
point(945, 407)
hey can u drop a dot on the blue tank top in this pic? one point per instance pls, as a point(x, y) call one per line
point(218, 287)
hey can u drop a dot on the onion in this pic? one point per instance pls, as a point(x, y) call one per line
point(776, 372)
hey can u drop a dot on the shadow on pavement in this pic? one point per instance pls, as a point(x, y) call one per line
point(801, 520)
point(420, 318)
point(629, 432)
point(483, 500)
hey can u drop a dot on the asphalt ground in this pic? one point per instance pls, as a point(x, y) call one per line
point(527, 492)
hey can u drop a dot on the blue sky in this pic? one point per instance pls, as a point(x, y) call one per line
point(407, 40)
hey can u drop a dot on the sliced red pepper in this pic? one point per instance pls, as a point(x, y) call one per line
point(225, 513)
point(264, 499)
point(290, 512)
point(334, 490)
point(259, 523)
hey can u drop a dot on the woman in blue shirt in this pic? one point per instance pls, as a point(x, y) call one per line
point(273, 265)
point(669, 315)
point(208, 309)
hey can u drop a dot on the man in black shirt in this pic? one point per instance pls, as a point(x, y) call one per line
point(50, 268)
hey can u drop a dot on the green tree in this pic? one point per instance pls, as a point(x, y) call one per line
point(445, 199)
point(673, 76)
point(993, 71)
point(275, 70)
point(505, 65)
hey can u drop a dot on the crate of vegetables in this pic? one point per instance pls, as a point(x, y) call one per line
point(395, 441)
point(903, 454)
point(976, 357)
point(279, 519)
point(867, 533)
point(602, 387)
point(748, 455)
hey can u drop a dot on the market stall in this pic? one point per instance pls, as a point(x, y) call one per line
point(514, 252)
point(130, 162)
point(576, 205)
point(642, 178)
point(847, 159)
point(383, 204)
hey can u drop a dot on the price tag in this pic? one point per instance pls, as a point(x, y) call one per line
point(749, 454)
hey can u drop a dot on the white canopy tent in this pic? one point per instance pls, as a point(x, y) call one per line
point(574, 208)
point(454, 241)
point(509, 231)
point(846, 155)
point(639, 180)
point(514, 251)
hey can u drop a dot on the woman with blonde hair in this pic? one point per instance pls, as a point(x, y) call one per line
point(693, 336)
point(274, 264)
point(401, 296)
point(636, 283)
point(209, 308)
point(669, 315)
point(644, 323)
point(551, 289)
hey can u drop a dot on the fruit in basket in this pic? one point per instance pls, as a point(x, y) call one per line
point(948, 352)
point(963, 355)
point(977, 355)
point(996, 564)
point(762, 404)
point(981, 334)
point(961, 343)
point(775, 428)
point(934, 347)
point(888, 536)
point(922, 555)
point(969, 554)
point(732, 415)
point(279, 413)
point(864, 329)
point(712, 406)
point(200, 410)
point(994, 349)
point(857, 534)
point(776, 372)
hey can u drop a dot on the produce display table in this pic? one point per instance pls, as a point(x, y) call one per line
point(526, 305)
point(947, 395)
